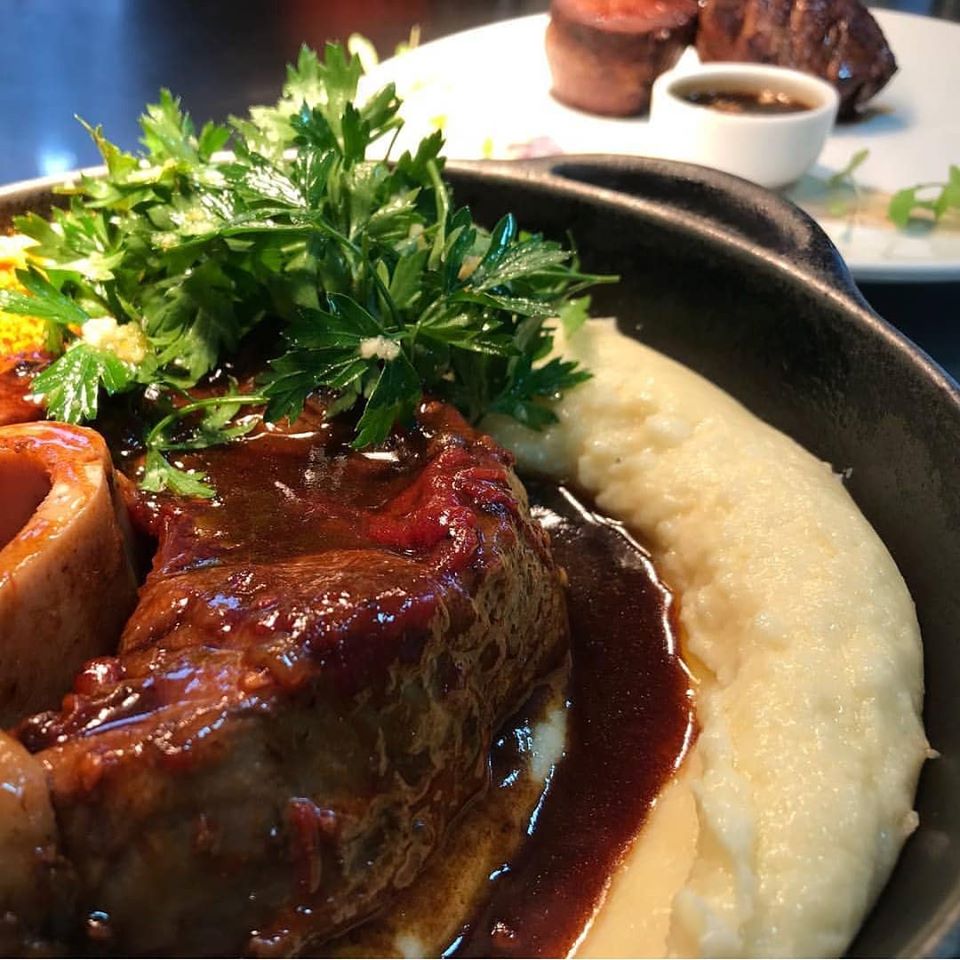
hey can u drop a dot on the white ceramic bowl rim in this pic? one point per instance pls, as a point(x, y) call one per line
point(753, 76)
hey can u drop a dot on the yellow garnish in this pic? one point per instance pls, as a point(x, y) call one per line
point(17, 334)
point(125, 341)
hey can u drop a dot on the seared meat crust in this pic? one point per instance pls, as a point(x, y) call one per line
point(305, 695)
point(838, 40)
point(605, 54)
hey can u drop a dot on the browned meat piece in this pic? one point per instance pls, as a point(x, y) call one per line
point(16, 374)
point(605, 54)
point(27, 835)
point(837, 40)
point(305, 695)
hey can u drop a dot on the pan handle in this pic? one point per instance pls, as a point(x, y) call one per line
point(738, 209)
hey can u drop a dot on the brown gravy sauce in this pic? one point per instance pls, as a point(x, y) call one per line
point(630, 723)
point(759, 102)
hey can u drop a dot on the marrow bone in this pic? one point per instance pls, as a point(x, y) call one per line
point(67, 583)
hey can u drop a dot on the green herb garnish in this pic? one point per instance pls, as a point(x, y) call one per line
point(845, 180)
point(846, 174)
point(932, 198)
point(381, 288)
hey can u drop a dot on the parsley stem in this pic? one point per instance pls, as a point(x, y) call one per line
point(393, 140)
point(239, 399)
point(443, 209)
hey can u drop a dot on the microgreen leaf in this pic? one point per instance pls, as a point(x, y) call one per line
point(935, 198)
point(846, 173)
point(901, 206)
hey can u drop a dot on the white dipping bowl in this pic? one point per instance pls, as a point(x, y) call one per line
point(771, 149)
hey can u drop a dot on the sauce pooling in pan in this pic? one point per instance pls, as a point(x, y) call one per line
point(630, 724)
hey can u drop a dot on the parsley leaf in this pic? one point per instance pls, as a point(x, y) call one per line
point(42, 300)
point(218, 424)
point(160, 474)
point(529, 384)
point(374, 283)
point(70, 386)
point(392, 398)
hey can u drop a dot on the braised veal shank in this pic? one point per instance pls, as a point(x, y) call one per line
point(305, 695)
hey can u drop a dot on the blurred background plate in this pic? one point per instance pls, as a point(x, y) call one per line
point(489, 90)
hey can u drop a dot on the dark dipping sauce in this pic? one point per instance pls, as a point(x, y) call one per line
point(631, 722)
point(759, 102)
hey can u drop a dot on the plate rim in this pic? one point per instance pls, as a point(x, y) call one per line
point(920, 270)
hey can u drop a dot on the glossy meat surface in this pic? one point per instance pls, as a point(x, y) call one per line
point(306, 693)
point(16, 373)
point(837, 40)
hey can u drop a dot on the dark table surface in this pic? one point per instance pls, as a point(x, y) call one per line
point(104, 59)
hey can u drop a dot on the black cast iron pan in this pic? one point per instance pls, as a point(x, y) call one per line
point(744, 288)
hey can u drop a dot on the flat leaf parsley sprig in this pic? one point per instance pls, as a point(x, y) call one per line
point(381, 289)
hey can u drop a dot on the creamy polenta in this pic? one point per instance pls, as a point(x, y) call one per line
point(786, 821)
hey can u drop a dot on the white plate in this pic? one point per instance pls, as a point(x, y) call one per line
point(489, 89)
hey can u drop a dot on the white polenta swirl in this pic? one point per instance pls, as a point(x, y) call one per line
point(799, 627)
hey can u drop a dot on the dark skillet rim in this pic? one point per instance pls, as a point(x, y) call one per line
point(805, 258)
point(820, 269)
